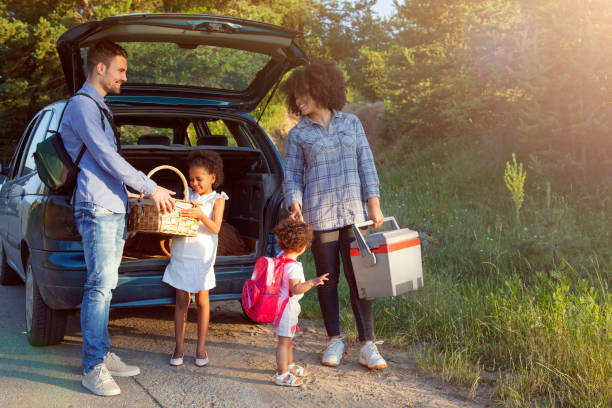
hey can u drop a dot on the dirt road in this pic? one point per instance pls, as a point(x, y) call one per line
point(239, 375)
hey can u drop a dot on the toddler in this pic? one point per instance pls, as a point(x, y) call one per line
point(293, 237)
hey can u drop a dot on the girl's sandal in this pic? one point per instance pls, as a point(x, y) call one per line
point(288, 380)
point(299, 370)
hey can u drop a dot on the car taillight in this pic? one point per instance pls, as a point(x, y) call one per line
point(59, 220)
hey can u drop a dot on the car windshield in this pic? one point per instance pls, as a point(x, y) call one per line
point(202, 66)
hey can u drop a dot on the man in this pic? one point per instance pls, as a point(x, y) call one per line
point(100, 206)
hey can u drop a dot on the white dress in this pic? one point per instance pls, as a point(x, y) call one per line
point(191, 266)
point(287, 323)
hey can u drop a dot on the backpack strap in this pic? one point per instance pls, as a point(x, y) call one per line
point(279, 314)
point(281, 310)
point(284, 261)
point(111, 121)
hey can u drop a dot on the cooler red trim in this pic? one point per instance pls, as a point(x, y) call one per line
point(384, 249)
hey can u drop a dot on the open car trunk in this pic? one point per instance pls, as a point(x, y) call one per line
point(246, 181)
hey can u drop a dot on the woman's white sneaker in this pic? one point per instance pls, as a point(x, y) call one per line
point(100, 382)
point(333, 353)
point(370, 357)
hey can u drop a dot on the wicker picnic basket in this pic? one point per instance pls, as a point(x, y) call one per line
point(144, 216)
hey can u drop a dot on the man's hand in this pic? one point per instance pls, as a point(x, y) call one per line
point(162, 197)
point(296, 212)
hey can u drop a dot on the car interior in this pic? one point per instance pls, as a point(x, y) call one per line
point(148, 142)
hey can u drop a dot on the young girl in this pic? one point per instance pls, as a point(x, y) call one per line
point(191, 266)
point(293, 237)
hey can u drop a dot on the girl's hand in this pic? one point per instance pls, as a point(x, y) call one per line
point(319, 280)
point(374, 212)
point(195, 212)
point(296, 212)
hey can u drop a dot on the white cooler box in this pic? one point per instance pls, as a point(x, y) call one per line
point(386, 263)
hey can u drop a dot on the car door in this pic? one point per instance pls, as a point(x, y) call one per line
point(5, 213)
point(22, 184)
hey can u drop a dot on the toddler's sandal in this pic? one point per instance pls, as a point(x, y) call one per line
point(287, 380)
point(299, 370)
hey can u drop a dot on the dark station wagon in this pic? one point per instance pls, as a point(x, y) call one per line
point(192, 81)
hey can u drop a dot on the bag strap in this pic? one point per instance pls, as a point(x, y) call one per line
point(111, 121)
point(283, 261)
point(103, 112)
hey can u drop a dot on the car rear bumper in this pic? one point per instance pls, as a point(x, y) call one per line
point(61, 275)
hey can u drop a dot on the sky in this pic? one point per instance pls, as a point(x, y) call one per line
point(384, 8)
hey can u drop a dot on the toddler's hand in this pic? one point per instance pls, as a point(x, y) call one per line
point(319, 280)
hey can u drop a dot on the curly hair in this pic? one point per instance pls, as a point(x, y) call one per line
point(322, 80)
point(292, 235)
point(210, 160)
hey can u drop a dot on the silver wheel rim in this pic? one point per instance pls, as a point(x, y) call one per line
point(29, 300)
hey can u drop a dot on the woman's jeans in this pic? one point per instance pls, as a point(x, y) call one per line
point(326, 248)
point(103, 234)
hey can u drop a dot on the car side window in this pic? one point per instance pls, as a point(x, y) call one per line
point(16, 159)
point(39, 134)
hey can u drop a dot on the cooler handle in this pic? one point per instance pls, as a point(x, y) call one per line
point(368, 259)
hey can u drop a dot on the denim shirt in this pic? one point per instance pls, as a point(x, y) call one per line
point(104, 173)
point(330, 173)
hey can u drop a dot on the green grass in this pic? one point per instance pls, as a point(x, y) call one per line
point(525, 307)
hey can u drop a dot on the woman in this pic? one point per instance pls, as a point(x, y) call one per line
point(330, 174)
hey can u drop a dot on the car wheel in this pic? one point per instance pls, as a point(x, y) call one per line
point(7, 275)
point(45, 326)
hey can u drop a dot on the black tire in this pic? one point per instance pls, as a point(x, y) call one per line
point(45, 326)
point(7, 275)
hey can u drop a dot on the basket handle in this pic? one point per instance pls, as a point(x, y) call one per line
point(174, 169)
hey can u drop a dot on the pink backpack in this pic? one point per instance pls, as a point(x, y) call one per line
point(260, 293)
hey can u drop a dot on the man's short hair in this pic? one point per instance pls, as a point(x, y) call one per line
point(103, 51)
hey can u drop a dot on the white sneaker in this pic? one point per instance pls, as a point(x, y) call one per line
point(118, 368)
point(333, 352)
point(100, 382)
point(370, 357)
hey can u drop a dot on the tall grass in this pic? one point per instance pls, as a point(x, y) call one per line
point(525, 306)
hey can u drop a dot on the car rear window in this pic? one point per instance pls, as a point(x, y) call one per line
point(201, 66)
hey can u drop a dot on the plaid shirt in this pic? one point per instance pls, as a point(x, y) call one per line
point(330, 173)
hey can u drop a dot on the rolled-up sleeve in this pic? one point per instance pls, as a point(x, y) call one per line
point(293, 185)
point(91, 133)
point(365, 165)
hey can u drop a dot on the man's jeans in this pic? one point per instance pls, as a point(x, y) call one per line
point(103, 234)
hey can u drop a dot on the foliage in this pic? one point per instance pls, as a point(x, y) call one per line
point(537, 74)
